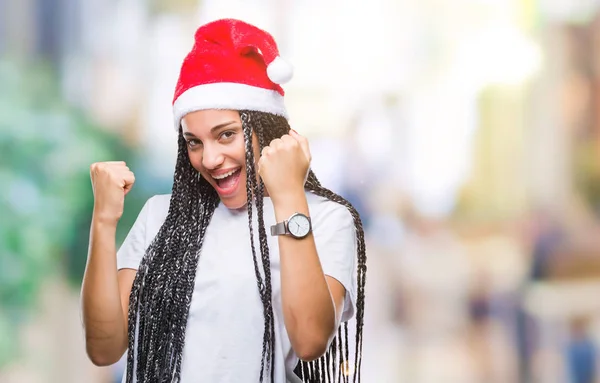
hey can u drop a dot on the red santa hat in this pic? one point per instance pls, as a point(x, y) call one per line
point(232, 65)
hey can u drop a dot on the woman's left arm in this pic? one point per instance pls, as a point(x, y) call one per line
point(312, 302)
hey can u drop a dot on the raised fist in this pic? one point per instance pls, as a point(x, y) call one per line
point(284, 164)
point(111, 181)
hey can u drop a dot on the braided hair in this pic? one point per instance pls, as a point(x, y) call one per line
point(162, 289)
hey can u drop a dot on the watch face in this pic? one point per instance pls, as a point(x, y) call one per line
point(299, 225)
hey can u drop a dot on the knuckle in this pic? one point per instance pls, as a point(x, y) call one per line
point(101, 168)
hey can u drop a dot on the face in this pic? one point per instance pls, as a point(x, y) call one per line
point(215, 142)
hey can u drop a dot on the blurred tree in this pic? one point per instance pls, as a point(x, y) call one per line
point(46, 201)
point(587, 173)
point(167, 6)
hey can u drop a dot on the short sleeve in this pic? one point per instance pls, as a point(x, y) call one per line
point(335, 240)
point(134, 246)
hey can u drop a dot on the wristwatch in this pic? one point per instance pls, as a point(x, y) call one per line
point(297, 226)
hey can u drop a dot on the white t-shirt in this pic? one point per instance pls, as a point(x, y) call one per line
point(225, 324)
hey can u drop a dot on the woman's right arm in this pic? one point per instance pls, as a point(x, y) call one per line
point(105, 291)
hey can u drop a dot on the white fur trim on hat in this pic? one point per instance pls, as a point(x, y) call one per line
point(226, 95)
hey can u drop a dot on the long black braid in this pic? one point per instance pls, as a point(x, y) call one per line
point(256, 190)
point(162, 290)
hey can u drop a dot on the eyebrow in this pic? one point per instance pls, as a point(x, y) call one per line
point(213, 129)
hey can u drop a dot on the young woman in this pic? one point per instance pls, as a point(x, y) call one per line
point(250, 269)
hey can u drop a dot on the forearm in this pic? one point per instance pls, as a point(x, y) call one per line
point(103, 319)
point(308, 307)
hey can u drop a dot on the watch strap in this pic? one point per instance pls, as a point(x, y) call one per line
point(279, 228)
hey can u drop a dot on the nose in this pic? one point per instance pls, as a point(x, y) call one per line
point(212, 157)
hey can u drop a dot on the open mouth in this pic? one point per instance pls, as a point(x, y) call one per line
point(227, 183)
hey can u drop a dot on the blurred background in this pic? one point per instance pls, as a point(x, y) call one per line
point(466, 132)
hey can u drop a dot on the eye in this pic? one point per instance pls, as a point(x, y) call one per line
point(193, 143)
point(226, 135)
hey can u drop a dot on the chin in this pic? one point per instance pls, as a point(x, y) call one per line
point(234, 203)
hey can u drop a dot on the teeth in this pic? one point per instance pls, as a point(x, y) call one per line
point(220, 177)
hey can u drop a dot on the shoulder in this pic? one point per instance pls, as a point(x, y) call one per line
point(322, 208)
point(157, 207)
point(160, 200)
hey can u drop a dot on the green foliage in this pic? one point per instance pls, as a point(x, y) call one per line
point(587, 173)
point(46, 200)
point(172, 6)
